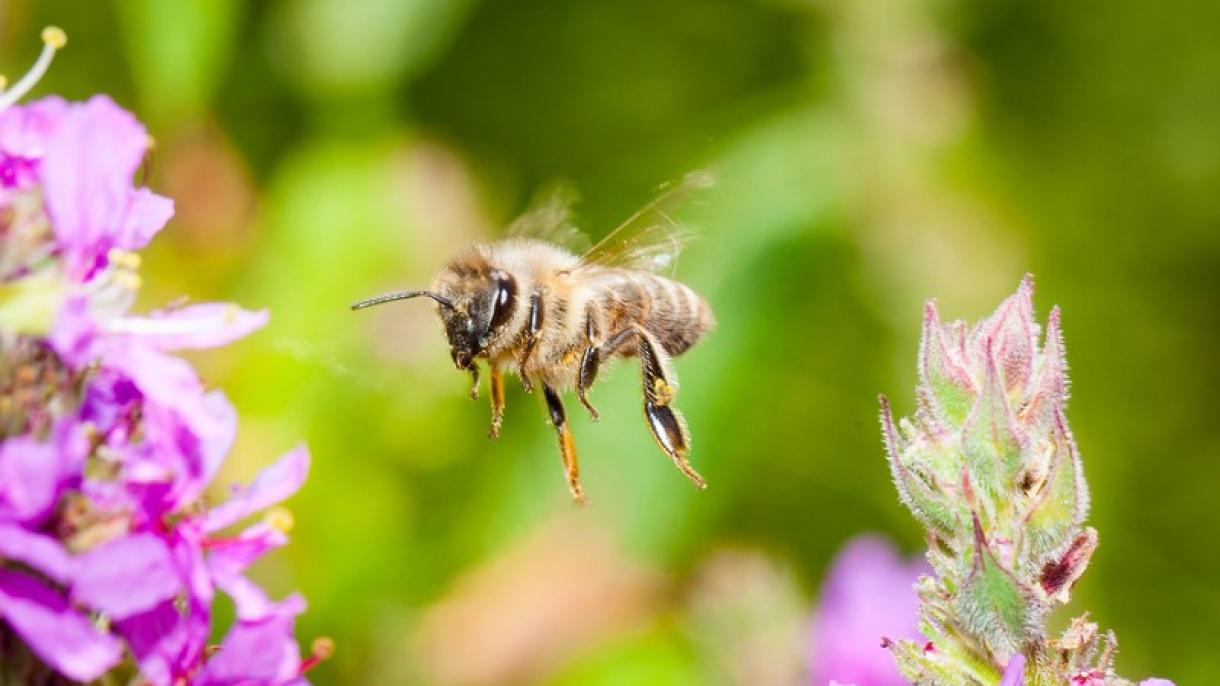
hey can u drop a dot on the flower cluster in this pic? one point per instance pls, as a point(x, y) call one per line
point(109, 560)
point(989, 467)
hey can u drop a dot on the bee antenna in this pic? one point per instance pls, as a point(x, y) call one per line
point(402, 295)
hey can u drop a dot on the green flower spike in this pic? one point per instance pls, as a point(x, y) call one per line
point(988, 465)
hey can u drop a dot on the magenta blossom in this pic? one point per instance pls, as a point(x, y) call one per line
point(867, 599)
point(107, 441)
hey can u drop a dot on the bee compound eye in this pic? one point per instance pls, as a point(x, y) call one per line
point(504, 296)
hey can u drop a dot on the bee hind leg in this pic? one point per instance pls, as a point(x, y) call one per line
point(567, 447)
point(667, 424)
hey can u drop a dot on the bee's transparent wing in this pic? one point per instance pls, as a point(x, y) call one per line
point(651, 238)
point(549, 218)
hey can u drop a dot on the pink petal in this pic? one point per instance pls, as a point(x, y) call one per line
point(229, 559)
point(73, 333)
point(169, 639)
point(39, 551)
point(1014, 674)
point(1156, 682)
point(868, 593)
point(188, 441)
point(127, 576)
point(147, 214)
point(258, 652)
point(163, 379)
point(58, 634)
point(24, 129)
point(170, 383)
point(188, 554)
point(86, 177)
point(29, 478)
point(273, 484)
point(234, 555)
point(206, 325)
point(167, 642)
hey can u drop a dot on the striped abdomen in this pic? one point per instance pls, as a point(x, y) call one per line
point(671, 311)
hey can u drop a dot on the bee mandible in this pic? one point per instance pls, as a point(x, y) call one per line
point(529, 306)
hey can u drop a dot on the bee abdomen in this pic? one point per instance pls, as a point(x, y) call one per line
point(671, 311)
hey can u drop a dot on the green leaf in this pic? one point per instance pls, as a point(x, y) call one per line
point(178, 51)
point(989, 439)
point(994, 606)
point(1060, 506)
point(942, 370)
point(934, 510)
point(339, 48)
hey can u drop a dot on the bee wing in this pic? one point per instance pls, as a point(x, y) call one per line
point(650, 239)
point(549, 218)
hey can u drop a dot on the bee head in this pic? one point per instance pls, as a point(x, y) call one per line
point(482, 300)
point(473, 300)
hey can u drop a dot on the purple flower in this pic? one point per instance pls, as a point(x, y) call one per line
point(105, 456)
point(1156, 682)
point(169, 643)
point(867, 599)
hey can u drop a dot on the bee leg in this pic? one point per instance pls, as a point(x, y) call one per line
point(533, 327)
point(667, 424)
point(497, 400)
point(567, 448)
point(474, 380)
point(590, 361)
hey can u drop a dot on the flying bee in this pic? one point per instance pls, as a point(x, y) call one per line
point(531, 307)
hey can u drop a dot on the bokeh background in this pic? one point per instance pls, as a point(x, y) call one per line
point(870, 154)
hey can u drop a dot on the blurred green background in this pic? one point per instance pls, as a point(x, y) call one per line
point(869, 153)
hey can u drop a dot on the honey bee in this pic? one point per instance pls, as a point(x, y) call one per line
point(530, 306)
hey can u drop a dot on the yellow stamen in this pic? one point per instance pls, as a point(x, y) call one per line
point(3, 82)
point(279, 518)
point(323, 647)
point(53, 38)
point(128, 280)
point(124, 258)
